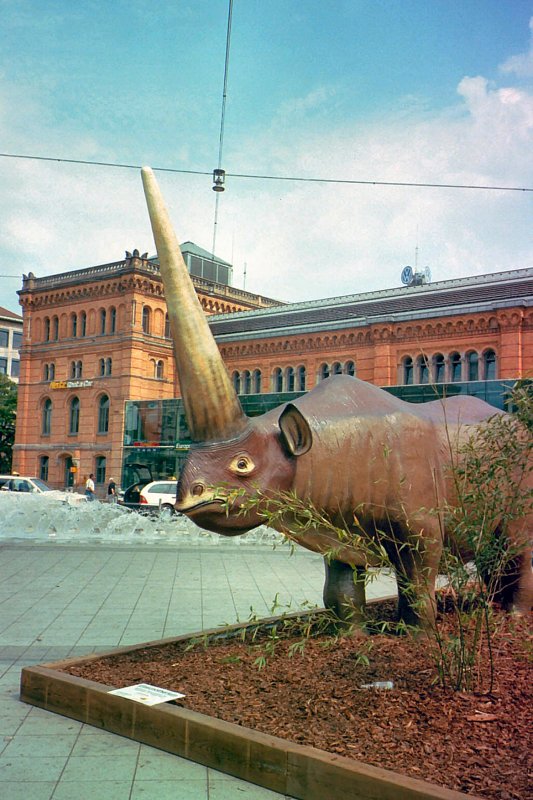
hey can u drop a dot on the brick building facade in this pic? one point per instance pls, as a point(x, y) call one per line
point(94, 338)
point(468, 329)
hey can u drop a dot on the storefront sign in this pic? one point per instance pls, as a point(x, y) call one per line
point(70, 384)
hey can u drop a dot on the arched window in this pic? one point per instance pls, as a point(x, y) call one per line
point(455, 367)
point(489, 365)
point(472, 362)
point(101, 365)
point(349, 368)
point(83, 325)
point(46, 422)
point(167, 327)
point(74, 325)
point(423, 369)
point(46, 372)
point(236, 379)
point(246, 382)
point(439, 368)
point(43, 467)
point(112, 319)
point(47, 329)
point(277, 380)
point(103, 320)
point(289, 379)
point(51, 371)
point(146, 319)
point(55, 328)
point(408, 371)
point(74, 416)
point(108, 366)
point(336, 368)
point(76, 369)
point(256, 381)
point(301, 376)
point(101, 465)
point(159, 367)
point(103, 414)
point(323, 372)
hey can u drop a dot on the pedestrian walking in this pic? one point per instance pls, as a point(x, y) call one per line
point(89, 487)
point(111, 491)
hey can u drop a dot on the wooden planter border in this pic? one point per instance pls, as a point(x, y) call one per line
point(306, 773)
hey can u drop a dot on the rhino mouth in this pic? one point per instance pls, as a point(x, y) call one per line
point(212, 516)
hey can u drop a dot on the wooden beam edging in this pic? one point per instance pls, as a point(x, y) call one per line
point(302, 772)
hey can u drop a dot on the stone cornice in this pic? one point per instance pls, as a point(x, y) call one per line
point(130, 275)
point(479, 325)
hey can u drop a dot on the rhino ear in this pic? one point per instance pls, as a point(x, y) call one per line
point(295, 431)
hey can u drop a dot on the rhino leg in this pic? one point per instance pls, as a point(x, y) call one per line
point(514, 588)
point(344, 590)
point(416, 592)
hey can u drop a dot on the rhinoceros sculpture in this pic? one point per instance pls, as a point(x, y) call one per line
point(348, 447)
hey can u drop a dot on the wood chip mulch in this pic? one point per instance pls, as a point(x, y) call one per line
point(475, 743)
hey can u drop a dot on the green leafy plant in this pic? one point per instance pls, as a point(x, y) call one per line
point(481, 531)
point(8, 412)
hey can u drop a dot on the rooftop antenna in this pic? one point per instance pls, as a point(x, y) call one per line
point(411, 276)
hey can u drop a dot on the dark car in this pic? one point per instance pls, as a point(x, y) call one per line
point(141, 475)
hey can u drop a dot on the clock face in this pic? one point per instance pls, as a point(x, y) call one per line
point(407, 275)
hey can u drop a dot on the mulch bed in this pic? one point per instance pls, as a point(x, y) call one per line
point(475, 743)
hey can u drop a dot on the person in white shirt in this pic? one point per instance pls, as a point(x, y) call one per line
point(89, 487)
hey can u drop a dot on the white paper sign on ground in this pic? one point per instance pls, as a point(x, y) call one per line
point(147, 694)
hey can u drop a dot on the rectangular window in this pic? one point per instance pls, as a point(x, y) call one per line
point(3, 366)
point(100, 469)
point(196, 266)
point(17, 340)
point(15, 369)
point(223, 274)
point(4, 337)
point(210, 270)
point(43, 472)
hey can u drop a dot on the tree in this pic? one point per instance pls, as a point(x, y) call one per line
point(8, 414)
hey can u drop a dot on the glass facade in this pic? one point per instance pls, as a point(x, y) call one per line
point(209, 269)
point(156, 437)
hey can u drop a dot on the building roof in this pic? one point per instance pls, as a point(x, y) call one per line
point(195, 250)
point(6, 314)
point(444, 298)
point(147, 264)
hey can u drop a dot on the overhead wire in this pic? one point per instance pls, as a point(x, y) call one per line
point(287, 178)
point(223, 116)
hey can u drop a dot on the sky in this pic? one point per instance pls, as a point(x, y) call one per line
point(408, 91)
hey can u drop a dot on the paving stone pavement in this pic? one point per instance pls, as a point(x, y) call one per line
point(59, 600)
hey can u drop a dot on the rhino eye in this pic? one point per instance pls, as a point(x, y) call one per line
point(242, 464)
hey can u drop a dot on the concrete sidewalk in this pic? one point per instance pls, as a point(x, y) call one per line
point(60, 600)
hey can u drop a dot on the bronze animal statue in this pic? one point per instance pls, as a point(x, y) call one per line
point(350, 448)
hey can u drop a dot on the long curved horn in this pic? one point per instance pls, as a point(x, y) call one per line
point(212, 407)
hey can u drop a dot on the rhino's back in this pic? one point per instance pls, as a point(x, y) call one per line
point(343, 396)
point(458, 410)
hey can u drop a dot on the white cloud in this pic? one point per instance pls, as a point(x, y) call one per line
point(299, 240)
point(521, 64)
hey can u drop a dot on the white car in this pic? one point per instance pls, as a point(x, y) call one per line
point(22, 485)
point(154, 496)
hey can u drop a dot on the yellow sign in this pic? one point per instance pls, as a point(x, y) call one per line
point(70, 384)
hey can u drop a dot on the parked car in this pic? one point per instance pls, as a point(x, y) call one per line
point(154, 496)
point(23, 485)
